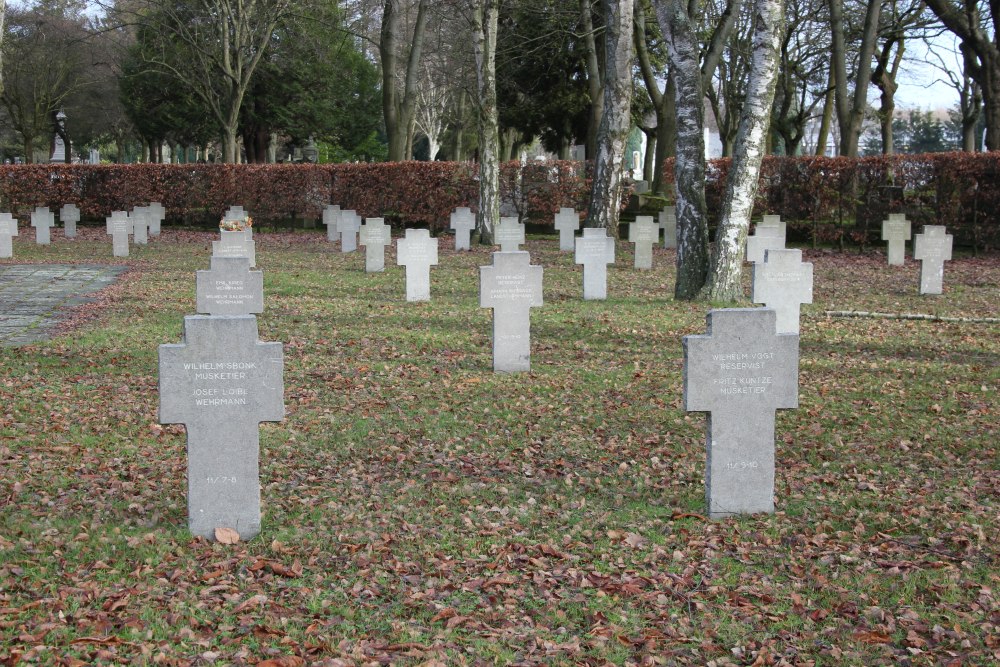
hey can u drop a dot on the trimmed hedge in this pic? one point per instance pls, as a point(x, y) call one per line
point(823, 199)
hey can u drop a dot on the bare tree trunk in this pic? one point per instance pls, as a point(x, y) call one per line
point(484, 43)
point(606, 188)
point(3, 19)
point(396, 110)
point(663, 105)
point(824, 126)
point(725, 283)
point(595, 79)
point(851, 108)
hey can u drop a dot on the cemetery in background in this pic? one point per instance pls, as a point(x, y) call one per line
point(838, 201)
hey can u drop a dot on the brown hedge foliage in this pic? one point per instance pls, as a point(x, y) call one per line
point(826, 199)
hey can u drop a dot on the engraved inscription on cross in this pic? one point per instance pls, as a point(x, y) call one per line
point(643, 233)
point(348, 226)
point(783, 282)
point(69, 215)
point(331, 215)
point(595, 250)
point(509, 234)
point(896, 230)
point(235, 243)
point(932, 248)
point(375, 235)
point(740, 372)
point(119, 227)
point(42, 220)
point(221, 382)
point(8, 229)
point(140, 225)
point(567, 222)
point(463, 222)
point(417, 252)
point(511, 287)
point(230, 288)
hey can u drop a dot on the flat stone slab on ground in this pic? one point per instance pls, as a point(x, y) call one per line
point(34, 296)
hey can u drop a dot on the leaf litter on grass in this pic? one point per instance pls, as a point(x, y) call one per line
point(419, 509)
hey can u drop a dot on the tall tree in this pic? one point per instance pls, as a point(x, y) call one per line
point(399, 86)
point(3, 18)
point(222, 42)
point(662, 102)
point(690, 67)
point(725, 282)
point(485, 14)
point(980, 51)
point(850, 104)
point(609, 163)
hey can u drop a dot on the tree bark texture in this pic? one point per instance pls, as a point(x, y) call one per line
point(725, 283)
point(609, 163)
point(850, 105)
point(663, 104)
point(484, 44)
point(399, 89)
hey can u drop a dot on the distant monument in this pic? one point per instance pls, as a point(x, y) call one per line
point(59, 149)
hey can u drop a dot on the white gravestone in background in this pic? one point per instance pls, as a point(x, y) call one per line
point(509, 234)
point(140, 225)
point(221, 382)
point(119, 227)
point(417, 252)
point(511, 287)
point(331, 216)
point(463, 222)
point(375, 235)
point(764, 239)
point(230, 288)
point(156, 216)
point(69, 215)
point(235, 244)
point(933, 249)
point(896, 230)
point(643, 233)
point(348, 227)
point(773, 221)
point(567, 222)
point(595, 250)
point(8, 230)
point(783, 282)
point(668, 223)
point(42, 220)
point(740, 372)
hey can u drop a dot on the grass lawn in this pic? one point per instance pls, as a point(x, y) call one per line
point(420, 509)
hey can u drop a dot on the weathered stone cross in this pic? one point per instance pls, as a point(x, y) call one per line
point(69, 215)
point(783, 282)
point(567, 222)
point(230, 288)
point(740, 373)
point(643, 233)
point(221, 382)
point(375, 235)
point(509, 234)
point(595, 250)
point(42, 220)
point(511, 287)
point(933, 249)
point(463, 222)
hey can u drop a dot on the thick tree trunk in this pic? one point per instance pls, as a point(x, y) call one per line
point(595, 79)
point(823, 137)
point(606, 187)
point(689, 167)
point(725, 283)
point(851, 107)
point(484, 43)
point(399, 97)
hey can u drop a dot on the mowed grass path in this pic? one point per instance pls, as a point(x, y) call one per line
point(420, 508)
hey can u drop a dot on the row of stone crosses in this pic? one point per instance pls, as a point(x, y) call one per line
point(221, 381)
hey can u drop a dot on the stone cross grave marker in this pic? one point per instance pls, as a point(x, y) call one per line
point(42, 220)
point(331, 216)
point(567, 222)
point(896, 230)
point(933, 249)
point(239, 213)
point(221, 382)
point(740, 372)
point(509, 234)
point(595, 250)
point(463, 222)
point(375, 235)
point(156, 215)
point(773, 221)
point(230, 288)
point(417, 252)
point(643, 233)
point(8, 230)
point(69, 215)
point(235, 244)
point(783, 282)
point(764, 239)
point(140, 225)
point(348, 226)
point(511, 287)
point(119, 227)
point(668, 223)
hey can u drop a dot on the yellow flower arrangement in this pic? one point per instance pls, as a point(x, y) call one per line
point(237, 225)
